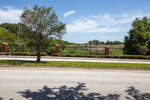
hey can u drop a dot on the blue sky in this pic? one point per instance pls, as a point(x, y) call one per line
point(86, 19)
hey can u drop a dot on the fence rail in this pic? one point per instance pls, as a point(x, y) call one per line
point(81, 49)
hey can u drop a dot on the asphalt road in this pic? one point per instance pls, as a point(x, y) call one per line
point(26, 83)
point(47, 58)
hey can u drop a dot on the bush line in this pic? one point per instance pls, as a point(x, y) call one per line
point(80, 55)
point(104, 56)
point(24, 54)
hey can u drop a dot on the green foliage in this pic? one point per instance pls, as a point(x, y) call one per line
point(13, 28)
point(71, 51)
point(139, 34)
point(109, 56)
point(21, 53)
point(2, 30)
point(7, 53)
point(11, 39)
point(51, 49)
point(55, 54)
point(28, 54)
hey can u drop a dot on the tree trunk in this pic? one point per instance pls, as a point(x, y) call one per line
point(38, 55)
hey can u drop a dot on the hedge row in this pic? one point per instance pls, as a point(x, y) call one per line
point(27, 54)
point(23, 54)
point(79, 55)
point(7, 53)
point(105, 56)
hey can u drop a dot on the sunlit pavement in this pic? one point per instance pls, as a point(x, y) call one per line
point(73, 84)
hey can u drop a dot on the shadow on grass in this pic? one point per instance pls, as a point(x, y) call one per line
point(20, 62)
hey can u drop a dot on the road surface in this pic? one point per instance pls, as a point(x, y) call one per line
point(26, 83)
point(47, 58)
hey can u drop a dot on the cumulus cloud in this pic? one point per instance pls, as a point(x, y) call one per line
point(9, 14)
point(69, 13)
point(104, 23)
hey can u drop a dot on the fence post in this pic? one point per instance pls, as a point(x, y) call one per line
point(90, 50)
point(57, 48)
point(23, 48)
point(4, 47)
point(74, 49)
point(106, 50)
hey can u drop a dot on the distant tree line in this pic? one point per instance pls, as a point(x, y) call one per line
point(97, 42)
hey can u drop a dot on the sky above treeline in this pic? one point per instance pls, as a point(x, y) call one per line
point(86, 19)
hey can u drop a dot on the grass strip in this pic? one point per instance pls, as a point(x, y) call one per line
point(75, 64)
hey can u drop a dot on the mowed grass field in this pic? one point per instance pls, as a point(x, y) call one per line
point(79, 51)
point(113, 50)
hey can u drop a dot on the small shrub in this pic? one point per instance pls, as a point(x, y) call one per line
point(78, 55)
point(27, 54)
point(7, 53)
point(55, 54)
point(69, 55)
point(84, 56)
point(99, 56)
point(33, 54)
point(92, 56)
point(63, 55)
point(21, 53)
point(116, 56)
point(43, 54)
point(51, 49)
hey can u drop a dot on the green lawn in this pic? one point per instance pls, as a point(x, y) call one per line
point(111, 52)
point(75, 64)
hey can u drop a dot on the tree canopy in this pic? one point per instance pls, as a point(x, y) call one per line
point(12, 27)
point(137, 40)
point(10, 38)
point(41, 24)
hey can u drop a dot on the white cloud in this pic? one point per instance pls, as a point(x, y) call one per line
point(125, 14)
point(106, 38)
point(106, 30)
point(9, 14)
point(81, 25)
point(104, 23)
point(69, 13)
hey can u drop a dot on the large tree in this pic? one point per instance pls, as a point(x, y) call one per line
point(137, 40)
point(41, 24)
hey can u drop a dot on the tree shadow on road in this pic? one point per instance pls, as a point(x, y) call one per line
point(136, 94)
point(66, 93)
point(3, 99)
point(77, 93)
